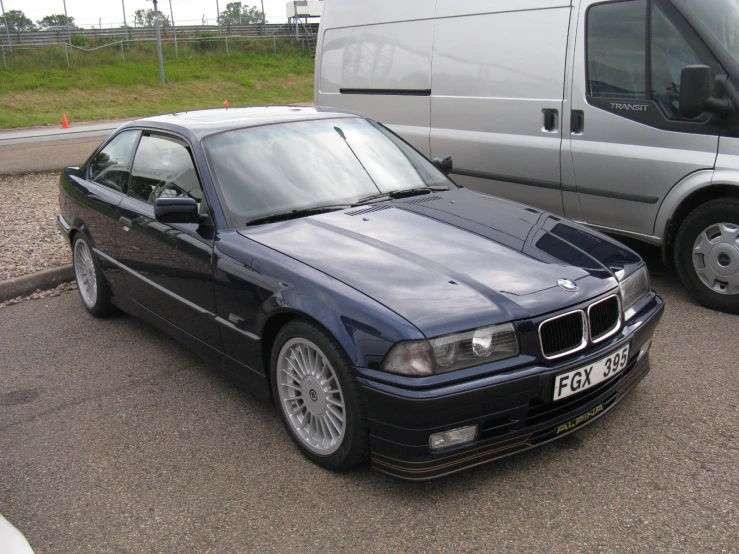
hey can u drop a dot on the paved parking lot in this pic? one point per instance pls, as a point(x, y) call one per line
point(114, 438)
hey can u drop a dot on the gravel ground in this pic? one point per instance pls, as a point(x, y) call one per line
point(29, 238)
point(41, 294)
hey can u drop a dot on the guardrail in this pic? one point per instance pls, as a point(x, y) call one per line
point(41, 38)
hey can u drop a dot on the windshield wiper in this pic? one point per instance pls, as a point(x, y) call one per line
point(402, 193)
point(294, 214)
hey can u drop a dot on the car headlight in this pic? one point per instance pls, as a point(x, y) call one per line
point(450, 352)
point(634, 288)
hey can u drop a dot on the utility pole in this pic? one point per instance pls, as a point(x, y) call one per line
point(264, 20)
point(7, 31)
point(174, 29)
point(159, 41)
point(218, 18)
point(69, 35)
point(125, 25)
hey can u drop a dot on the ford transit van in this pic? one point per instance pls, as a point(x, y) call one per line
point(621, 114)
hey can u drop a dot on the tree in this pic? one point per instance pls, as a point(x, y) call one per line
point(17, 21)
point(56, 20)
point(143, 18)
point(236, 14)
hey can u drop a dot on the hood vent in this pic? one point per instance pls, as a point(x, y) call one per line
point(375, 208)
point(423, 199)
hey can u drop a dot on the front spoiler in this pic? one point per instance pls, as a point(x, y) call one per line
point(513, 414)
point(494, 450)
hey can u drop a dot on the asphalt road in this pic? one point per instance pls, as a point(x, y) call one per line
point(114, 438)
point(49, 148)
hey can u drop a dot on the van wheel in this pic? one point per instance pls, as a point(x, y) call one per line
point(91, 284)
point(707, 254)
point(318, 396)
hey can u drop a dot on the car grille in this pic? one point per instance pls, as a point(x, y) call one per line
point(605, 318)
point(563, 334)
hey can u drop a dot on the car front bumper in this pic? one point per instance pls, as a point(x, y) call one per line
point(513, 411)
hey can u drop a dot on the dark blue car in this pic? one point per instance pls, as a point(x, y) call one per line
point(323, 262)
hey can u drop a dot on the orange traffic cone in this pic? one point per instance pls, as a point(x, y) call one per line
point(226, 103)
point(65, 123)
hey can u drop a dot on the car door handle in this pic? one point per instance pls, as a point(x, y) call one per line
point(577, 121)
point(551, 120)
point(125, 223)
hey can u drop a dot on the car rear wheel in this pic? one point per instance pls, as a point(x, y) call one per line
point(318, 396)
point(707, 254)
point(91, 284)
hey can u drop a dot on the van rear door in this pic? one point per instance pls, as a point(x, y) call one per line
point(629, 143)
point(497, 95)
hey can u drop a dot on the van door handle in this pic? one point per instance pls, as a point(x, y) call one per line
point(577, 121)
point(125, 223)
point(551, 118)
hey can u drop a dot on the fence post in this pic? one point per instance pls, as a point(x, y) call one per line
point(274, 41)
point(2, 47)
point(227, 46)
point(122, 54)
point(66, 53)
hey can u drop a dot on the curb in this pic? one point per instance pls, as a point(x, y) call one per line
point(42, 280)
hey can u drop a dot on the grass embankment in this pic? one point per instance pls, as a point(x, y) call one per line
point(37, 87)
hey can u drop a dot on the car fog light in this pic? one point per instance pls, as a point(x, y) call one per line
point(644, 350)
point(455, 437)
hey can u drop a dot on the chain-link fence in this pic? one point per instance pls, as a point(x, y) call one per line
point(123, 51)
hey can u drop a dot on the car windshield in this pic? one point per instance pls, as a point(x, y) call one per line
point(721, 17)
point(285, 167)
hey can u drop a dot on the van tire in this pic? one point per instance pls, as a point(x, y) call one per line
point(700, 220)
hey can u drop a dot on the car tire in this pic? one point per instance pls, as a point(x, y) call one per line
point(91, 285)
point(707, 254)
point(318, 396)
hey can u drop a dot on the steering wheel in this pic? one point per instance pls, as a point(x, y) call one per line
point(160, 189)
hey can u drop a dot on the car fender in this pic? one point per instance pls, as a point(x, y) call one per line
point(687, 186)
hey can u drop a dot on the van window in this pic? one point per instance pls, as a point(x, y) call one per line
point(616, 52)
point(617, 55)
point(670, 53)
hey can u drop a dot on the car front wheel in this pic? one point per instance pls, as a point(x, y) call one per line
point(91, 284)
point(318, 396)
point(707, 254)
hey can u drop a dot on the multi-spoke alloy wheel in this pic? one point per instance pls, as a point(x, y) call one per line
point(716, 257)
point(84, 271)
point(92, 286)
point(311, 396)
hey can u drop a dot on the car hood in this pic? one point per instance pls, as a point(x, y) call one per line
point(456, 260)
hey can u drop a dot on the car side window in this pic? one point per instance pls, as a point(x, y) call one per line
point(163, 168)
point(616, 50)
point(670, 53)
point(111, 167)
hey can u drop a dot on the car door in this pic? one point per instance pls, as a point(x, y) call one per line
point(497, 96)
point(96, 194)
point(169, 265)
point(629, 143)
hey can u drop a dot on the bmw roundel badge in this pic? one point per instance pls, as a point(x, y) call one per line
point(568, 285)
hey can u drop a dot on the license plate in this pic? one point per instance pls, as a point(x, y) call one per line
point(578, 380)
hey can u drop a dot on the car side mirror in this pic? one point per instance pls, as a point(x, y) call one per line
point(696, 84)
point(444, 163)
point(177, 210)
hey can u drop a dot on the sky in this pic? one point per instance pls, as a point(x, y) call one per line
point(89, 12)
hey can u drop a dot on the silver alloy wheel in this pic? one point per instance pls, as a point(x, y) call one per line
point(311, 396)
point(716, 257)
point(84, 272)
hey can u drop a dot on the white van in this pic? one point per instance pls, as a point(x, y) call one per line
point(620, 114)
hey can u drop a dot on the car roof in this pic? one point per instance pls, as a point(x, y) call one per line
point(201, 123)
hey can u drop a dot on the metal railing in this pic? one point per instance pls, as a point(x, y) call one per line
point(40, 38)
